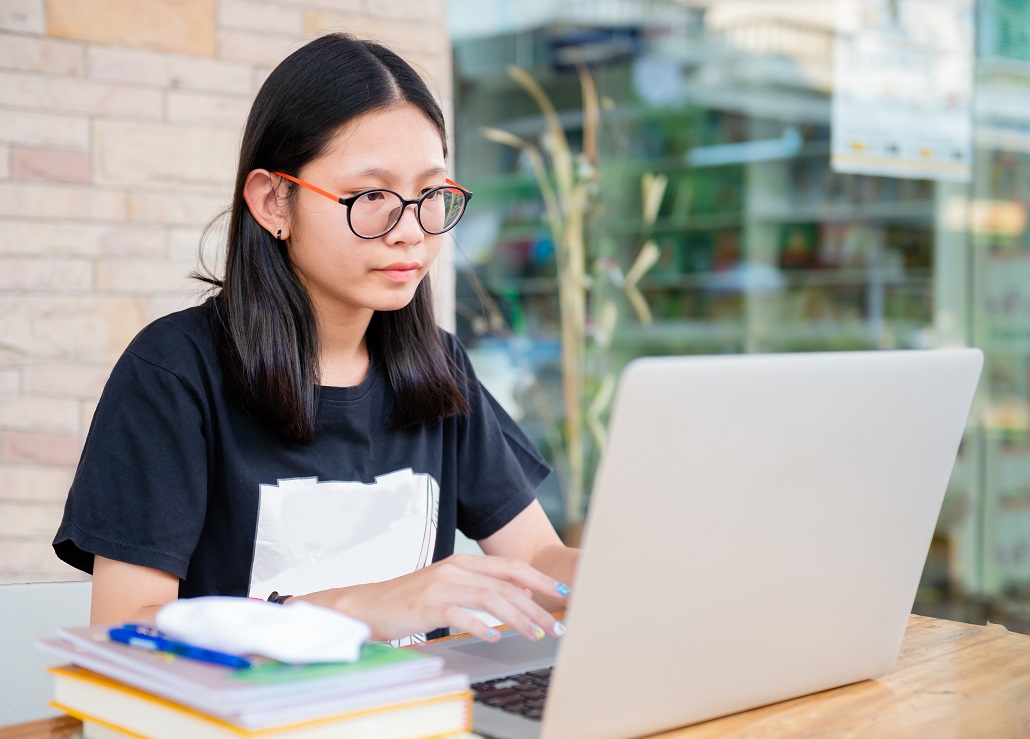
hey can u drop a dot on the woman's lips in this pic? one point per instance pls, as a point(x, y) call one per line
point(400, 272)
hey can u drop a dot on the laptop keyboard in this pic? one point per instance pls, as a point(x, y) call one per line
point(522, 694)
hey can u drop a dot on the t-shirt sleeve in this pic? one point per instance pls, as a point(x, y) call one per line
point(139, 493)
point(501, 469)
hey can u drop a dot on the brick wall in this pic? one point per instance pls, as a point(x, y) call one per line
point(119, 122)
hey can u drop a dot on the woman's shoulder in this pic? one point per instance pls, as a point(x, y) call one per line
point(178, 340)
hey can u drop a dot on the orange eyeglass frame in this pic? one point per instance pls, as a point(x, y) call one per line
point(337, 198)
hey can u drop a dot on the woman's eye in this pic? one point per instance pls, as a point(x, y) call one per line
point(431, 193)
point(372, 197)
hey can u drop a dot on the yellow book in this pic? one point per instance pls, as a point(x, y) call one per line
point(113, 709)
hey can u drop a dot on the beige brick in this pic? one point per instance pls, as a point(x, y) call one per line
point(132, 241)
point(175, 71)
point(93, 328)
point(31, 519)
point(249, 15)
point(87, 409)
point(65, 275)
point(214, 75)
point(23, 200)
point(339, 6)
point(49, 165)
point(265, 49)
point(317, 22)
point(184, 244)
point(40, 414)
point(21, 482)
point(409, 38)
point(184, 26)
point(36, 92)
point(44, 130)
point(435, 70)
point(154, 154)
point(424, 11)
point(74, 238)
point(147, 277)
point(221, 110)
point(10, 383)
point(175, 210)
point(42, 55)
point(65, 380)
point(22, 15)
point(30, 556)
point(161, 305)
point(134, 66)
point(202, 247)
point(60, 573)
point(258, 77)
point(35, 447)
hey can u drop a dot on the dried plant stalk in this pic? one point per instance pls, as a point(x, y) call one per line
point(568, 193)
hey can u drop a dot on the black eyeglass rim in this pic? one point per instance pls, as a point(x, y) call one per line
point(417, 202)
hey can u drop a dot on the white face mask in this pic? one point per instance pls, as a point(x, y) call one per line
point(296, 633)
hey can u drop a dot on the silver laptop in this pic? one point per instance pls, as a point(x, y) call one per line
point(757, 532)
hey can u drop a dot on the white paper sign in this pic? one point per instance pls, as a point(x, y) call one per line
point(903, 86)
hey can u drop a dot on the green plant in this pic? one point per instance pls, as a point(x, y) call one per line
point(588, 281)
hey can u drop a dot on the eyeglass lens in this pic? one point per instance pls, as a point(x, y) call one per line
point(376, 212)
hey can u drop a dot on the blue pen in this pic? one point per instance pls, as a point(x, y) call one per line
point(146, 637)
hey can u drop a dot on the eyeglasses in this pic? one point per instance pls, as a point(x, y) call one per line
point(374, 213)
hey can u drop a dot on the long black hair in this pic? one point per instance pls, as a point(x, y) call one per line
point(268, 335)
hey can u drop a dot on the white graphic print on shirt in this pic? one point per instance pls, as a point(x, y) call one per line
point(315, 535)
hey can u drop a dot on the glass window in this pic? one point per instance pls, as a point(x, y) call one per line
point(763, 243)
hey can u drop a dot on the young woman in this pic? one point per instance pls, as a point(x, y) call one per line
point(308, 431)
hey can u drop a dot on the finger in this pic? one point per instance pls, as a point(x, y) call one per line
point(461, 620)
point(539, 618)
point(520, 613)
point(515, 571)
point(499, 598)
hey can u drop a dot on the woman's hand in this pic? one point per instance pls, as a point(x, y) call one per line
point(436, 596)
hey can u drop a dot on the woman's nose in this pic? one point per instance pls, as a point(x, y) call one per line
point(408, 229)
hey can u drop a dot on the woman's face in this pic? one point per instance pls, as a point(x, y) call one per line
point(348, 277)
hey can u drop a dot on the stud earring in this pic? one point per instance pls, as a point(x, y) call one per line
point(279, 235)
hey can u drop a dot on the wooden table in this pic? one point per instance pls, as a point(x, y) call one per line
point(951, 680)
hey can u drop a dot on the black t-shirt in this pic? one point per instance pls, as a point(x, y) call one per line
point(176, 477)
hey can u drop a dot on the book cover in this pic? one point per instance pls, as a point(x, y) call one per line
point(102, 701)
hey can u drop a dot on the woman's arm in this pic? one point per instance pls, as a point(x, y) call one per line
point(530, 538)
point(526, 556)
point(124, 592)
point(525, 575)
point(437, 596)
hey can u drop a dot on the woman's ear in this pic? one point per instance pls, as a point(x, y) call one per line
point(261, 193)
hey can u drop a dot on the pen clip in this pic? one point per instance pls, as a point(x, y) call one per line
point(143, 629)
point(152, 639)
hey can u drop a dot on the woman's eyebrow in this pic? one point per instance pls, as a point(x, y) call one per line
point(382, 173)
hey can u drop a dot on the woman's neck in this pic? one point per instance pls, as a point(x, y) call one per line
point(343, 352)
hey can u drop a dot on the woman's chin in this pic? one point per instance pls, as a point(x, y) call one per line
point(393, 302)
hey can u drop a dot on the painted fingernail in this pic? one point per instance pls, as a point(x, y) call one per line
point(538, 633)
point(563, 590)
point(491, 634)
point(559, 629)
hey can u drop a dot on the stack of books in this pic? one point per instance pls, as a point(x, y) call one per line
point(119, 690)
